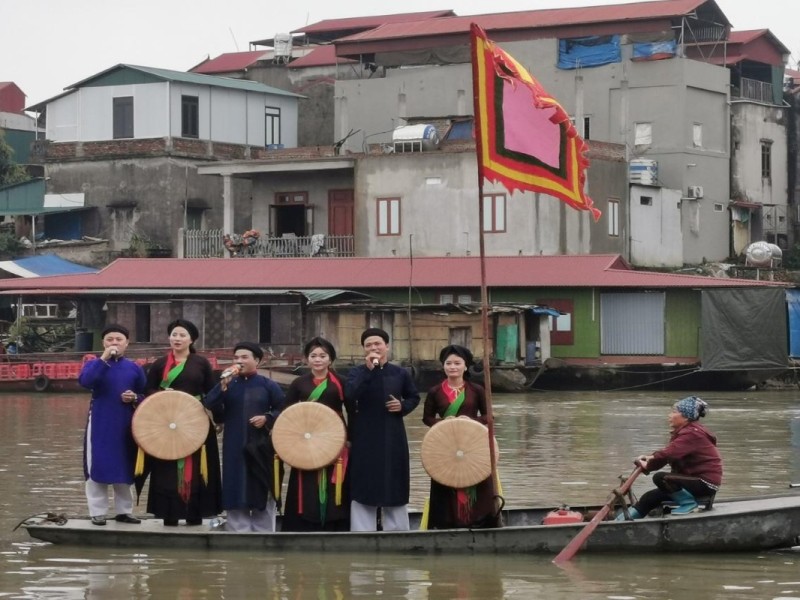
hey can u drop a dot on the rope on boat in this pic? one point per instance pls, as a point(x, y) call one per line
point(57, 518)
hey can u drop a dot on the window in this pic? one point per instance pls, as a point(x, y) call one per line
point(388, 216)
point(643, 134)
point(612, 214)
point(586, 127)
point(697, 135)
point(766, 159)
point(264, 324)
point(190, 116)
point(142, 316)
point(123, 117)
point(291, 197)
point(272, 125)
point(561, 327)
point(494, 213)
point(194, 218)
point(451, 298)
point(718, 207)
point(646, 200)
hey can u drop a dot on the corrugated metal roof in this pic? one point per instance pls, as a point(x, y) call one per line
point(533, 19)
point(230, 61)
point(235, 275)
point(321, 56)
point(350, 23)
point(193, 78)
point(43, 266)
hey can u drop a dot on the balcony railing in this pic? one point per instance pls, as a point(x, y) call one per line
point(210, 243)
point(753, 89)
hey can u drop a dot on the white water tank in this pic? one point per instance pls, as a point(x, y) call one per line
point(283, 47)
point(758, 254)
point(415, 138)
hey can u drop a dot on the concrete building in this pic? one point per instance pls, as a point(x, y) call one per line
point(127, 141)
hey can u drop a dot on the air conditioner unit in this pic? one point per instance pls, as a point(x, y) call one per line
point(695, 191)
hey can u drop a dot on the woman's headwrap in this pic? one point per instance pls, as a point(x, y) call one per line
point(691, 407)
point(190, 327)
point(321, 342)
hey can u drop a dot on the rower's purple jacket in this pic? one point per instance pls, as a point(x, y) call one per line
point(692, 451)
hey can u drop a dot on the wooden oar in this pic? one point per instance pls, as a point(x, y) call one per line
point(575, 544)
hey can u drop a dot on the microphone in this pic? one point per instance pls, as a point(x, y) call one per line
point(376, 362)
point(113, 352)
point(230, 372)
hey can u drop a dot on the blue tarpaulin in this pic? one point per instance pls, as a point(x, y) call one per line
point(654, 50)
point(793, 306)
point(591, 51)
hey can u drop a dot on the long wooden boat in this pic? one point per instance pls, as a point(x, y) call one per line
point(751, 524)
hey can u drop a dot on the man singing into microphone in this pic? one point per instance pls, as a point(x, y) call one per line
point(109, 451)
point(378, 396)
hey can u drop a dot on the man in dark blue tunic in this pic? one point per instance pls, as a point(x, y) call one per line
point(109, 451)
point(249, 404)
point(378, 396)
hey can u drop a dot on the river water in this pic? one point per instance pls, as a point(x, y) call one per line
point(555, 447)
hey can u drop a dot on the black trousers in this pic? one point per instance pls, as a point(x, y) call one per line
point(667, 484)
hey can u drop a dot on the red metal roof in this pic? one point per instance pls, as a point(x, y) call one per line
point(351, 23)
point(758, 45)
point(602, 271)
point(230, 62)
point(533, 19)
point(321, 56)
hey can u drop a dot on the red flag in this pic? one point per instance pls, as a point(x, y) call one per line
point(525, 139)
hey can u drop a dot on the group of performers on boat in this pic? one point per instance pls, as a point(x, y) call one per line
point(365, 488)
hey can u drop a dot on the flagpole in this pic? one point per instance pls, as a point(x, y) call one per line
point(487, 346)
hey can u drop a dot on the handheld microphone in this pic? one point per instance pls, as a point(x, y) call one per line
point(376, 362)
point(230, 372)
point(113, 352)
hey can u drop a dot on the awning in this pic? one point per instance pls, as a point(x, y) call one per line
point(545, 310)
point(747, 205)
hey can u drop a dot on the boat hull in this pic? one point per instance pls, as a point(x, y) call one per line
point(742, 525)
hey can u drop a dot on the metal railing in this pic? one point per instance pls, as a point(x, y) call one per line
point(753, 89)
point(210, 243)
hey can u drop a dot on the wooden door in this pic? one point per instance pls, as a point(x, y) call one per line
point(340, 212)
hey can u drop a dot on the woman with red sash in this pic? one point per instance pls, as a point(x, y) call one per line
point(318, 500)
point(456, 396)
point(188, 488)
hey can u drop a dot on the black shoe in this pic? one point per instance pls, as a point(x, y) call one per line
point(170, 522)
point(194, 521)
point(98, 521)
point(127, 519)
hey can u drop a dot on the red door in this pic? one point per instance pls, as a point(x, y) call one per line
point(340, 212)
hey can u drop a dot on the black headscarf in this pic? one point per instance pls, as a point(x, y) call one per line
point(320, 342)
point(373, 331)
point(258, 353)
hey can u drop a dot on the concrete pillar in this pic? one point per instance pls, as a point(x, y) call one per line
point(227, 204)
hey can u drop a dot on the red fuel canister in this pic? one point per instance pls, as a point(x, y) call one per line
point(562, 516)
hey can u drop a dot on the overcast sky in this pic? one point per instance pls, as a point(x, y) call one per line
point(47, 45)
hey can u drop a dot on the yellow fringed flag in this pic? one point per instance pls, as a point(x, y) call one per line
point(426, 510)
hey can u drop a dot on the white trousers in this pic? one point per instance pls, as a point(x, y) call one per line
point(245, 520)
point(97, 498)
point(365, 518)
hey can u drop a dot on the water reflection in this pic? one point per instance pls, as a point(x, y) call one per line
point(555, 448)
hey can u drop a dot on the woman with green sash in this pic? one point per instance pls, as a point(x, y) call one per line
point(188, 488)
point(318, 500)
point(456, 396)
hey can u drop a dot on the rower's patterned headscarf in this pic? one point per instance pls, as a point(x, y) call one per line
point(691, 407)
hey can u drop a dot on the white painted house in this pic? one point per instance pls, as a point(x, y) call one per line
point(133, 102)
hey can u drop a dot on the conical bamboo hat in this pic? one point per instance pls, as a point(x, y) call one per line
point(170, 425)
point(308, 435)
point(455, 452)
